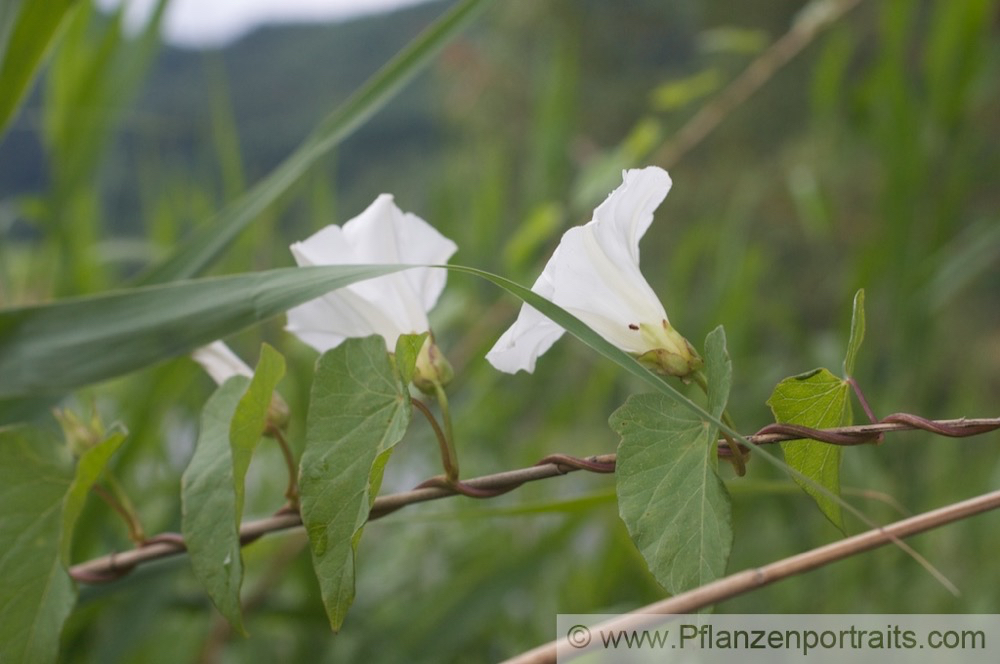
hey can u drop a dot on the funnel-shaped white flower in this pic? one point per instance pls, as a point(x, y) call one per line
point(220, 362)
point(391, 305)
point(594, 274)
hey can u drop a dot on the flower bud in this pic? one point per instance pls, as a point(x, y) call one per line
point(80, 435)
point(278, 413)
point(432, 368)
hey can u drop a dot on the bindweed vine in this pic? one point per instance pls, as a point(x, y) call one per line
point(378, 359)
point(362, 358)
point(113, 566)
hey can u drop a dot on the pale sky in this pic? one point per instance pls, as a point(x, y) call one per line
point(199, 23)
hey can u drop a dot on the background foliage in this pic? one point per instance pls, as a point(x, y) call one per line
point(870, 161)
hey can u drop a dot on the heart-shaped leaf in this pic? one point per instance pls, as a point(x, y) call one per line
point(820, 400)
point(670, 496)
point(250, 417)
point(212, 489)
point(209, 515)
point(358, 410)
point(36, 593)
point(816, 399)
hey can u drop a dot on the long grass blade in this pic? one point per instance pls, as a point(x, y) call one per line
point(53, 348)
point(25, 38)
point(211, 239)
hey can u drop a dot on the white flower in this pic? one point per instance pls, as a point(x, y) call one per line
point(391, 305)
point(220, 362)
point(594, 274)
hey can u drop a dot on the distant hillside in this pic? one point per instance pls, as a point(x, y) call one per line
point(281, 81)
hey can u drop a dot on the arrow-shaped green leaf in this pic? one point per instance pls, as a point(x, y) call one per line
point(36, 593)
point(816, 399)
point(359, 409)
point(209, 516)
point(212, 489)
point(407, 349)
point(670, 496)
point(820, 400)
point(857, 333)
point(250, 417)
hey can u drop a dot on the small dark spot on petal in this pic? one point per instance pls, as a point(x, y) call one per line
point(633, 326)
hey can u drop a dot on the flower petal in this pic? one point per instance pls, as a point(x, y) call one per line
point(220, 362)
point(327, 246)
point(529, 337)
point(625, 216)
point(594, 274)
point(521, 345)
point(325, 322)
point(385, 234)
point(390, 305)
point(608, 295)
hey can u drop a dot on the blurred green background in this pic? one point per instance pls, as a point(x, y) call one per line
point(870, 161)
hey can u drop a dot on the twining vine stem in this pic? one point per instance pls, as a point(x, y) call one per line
point(872, 433)
point(114, 565)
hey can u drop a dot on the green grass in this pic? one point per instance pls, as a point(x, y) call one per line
point(868, 162)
